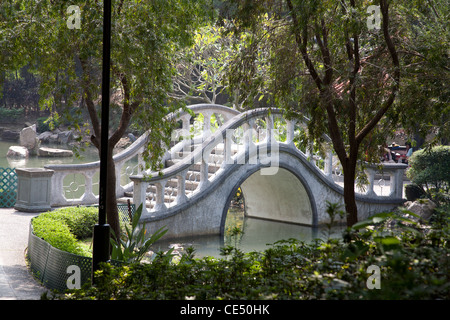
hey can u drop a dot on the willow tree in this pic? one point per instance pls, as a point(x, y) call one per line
point(62, 42)
point(336, 61)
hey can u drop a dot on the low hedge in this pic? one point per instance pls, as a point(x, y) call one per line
point(63, 228)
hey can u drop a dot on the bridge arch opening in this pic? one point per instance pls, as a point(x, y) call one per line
point(283, 197)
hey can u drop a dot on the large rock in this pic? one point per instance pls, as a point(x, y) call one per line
point(28, 139)
point(17, 152)
point(57, 137)
point(423, 208)
point(52, 152)
point(65, 137)
point(48, 137)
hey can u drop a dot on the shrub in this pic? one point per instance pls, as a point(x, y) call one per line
point(430, 169)
point(80, 220)
point(10, 115)
point(135, 246)
point(63, 227)
point(46, 124)
point(56, 233)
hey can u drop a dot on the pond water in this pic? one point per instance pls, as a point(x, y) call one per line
point(257, 234)
point(39, 162)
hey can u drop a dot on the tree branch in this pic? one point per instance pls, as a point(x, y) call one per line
point(302, 41)
point(396, 75)
point(95, 139)
point(127, 111)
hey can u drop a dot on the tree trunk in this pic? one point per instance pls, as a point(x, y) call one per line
point(349, 192)
point(112, 213)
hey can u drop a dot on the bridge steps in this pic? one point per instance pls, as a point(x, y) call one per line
point(191, 183)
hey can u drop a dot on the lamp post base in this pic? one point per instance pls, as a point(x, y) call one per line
point(100, 250)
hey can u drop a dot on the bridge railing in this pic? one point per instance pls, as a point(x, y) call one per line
point(231, 132)
point(77, 184)
point(201, 158)
point(250, 136)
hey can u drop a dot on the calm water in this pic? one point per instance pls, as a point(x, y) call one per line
point(39, 162)
point(257, 234)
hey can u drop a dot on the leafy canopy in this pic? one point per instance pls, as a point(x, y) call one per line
point(146, 35)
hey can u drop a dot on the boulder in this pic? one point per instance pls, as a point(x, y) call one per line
point(56, 137)
point(48, 137)
point(65, 137)
point(28, 138)
point(17, 152)
point(422, 207)
point(52, 152)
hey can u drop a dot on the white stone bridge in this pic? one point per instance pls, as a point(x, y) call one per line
point(220, 150)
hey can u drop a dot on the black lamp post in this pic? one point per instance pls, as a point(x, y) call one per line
point(101, 240)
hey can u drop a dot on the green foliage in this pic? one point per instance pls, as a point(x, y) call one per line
point(201, 71)
point(147, 35)
point(63, 228)
point(46, 123)
point(57, 234)
point(80, 220)
point(413, 260)
point(430, 169)
point(10, 115)
point(426, 70)
point(135, 245)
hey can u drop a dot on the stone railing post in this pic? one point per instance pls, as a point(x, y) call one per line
point(328, 169)
point(396, 181)
point(290, 132)
point(206, 124)
point(89, 196)
point(34, 187)
point(57, 192)
point(118, 169)
point(227, 141)
point(370, 172)
point(249, 145)
point(140, 193)
point(160, 188)
point(204, 170)
point(181, 187)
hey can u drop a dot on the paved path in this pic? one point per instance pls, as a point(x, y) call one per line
point(16, 282)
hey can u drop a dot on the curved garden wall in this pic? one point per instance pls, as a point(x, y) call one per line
point(50, 265)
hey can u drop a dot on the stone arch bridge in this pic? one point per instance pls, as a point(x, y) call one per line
point(219, 150)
